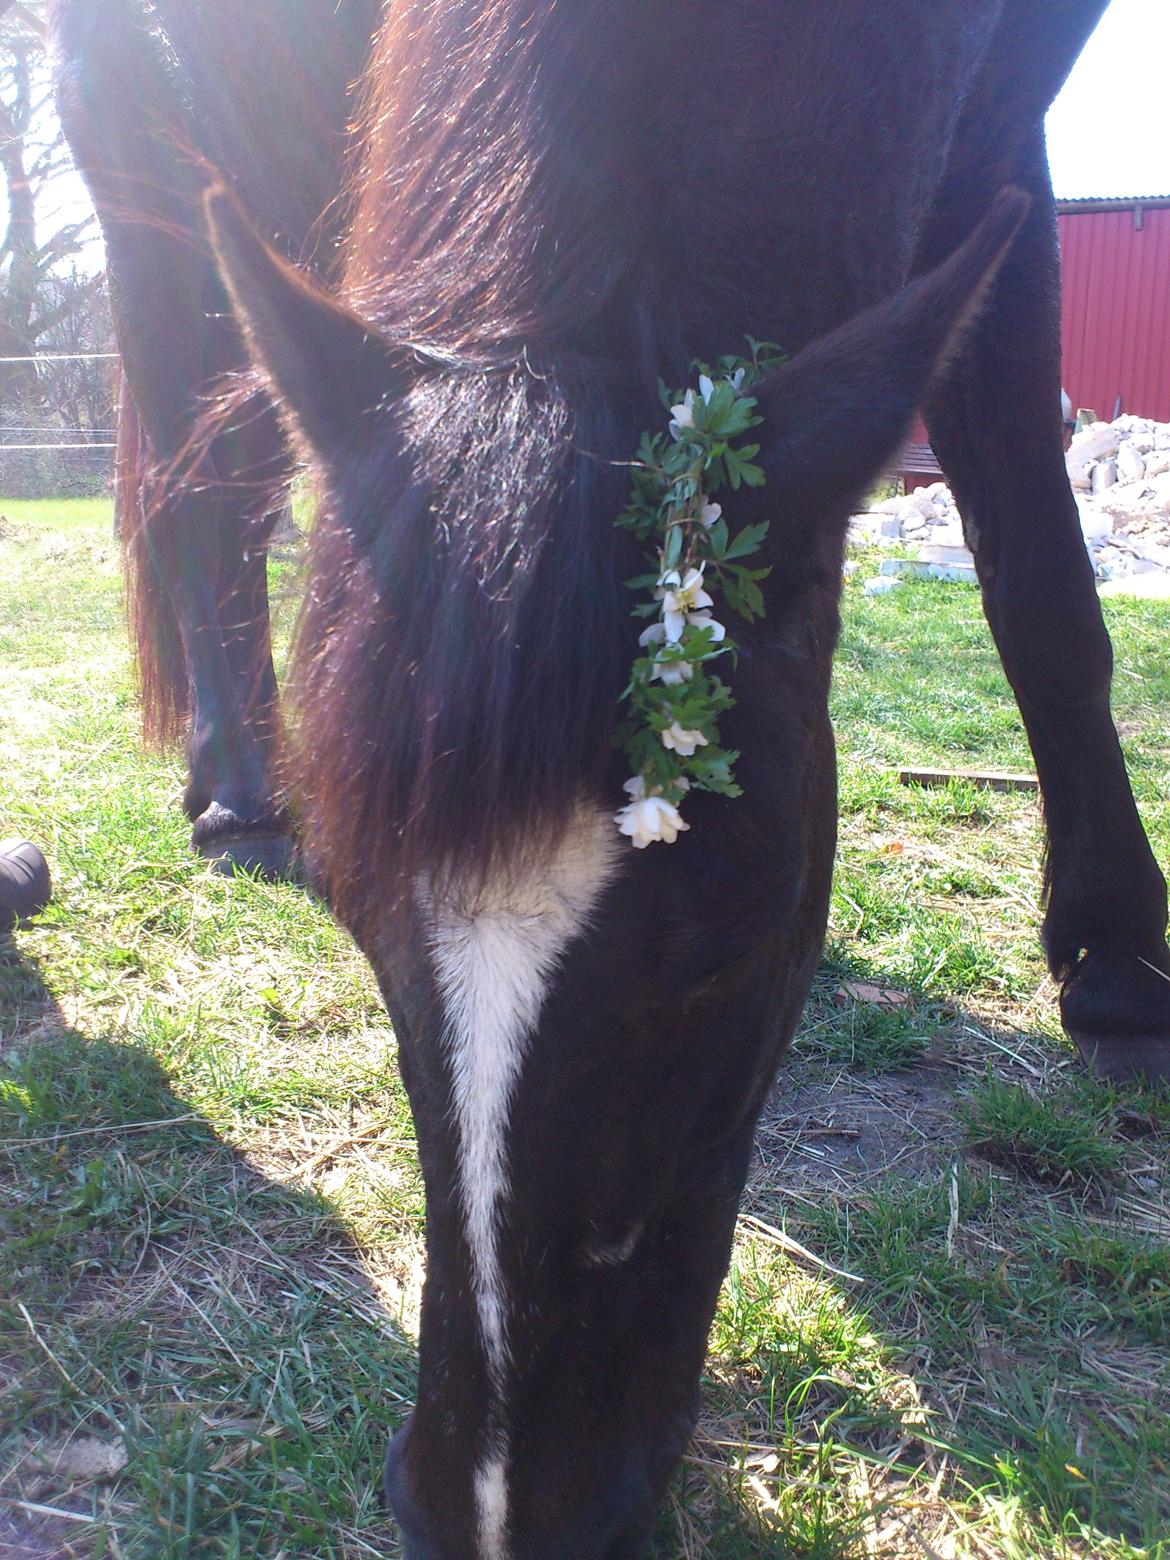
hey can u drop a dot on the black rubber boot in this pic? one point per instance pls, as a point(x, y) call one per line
point(24, 882)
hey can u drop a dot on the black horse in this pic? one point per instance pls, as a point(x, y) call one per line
point(547, 206)
point(149, 93)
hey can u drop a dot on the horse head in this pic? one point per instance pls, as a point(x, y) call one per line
point(586, 1032)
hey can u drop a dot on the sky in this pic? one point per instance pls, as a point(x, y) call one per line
point(1109, 130)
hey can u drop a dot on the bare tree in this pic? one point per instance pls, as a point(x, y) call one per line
point(50, 304)
point(35, 246)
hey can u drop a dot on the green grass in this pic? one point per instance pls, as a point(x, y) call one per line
point(945, 1326)
point(1060, 1137)
point(869, 1037)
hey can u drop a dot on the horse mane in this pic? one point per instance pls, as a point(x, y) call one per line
point(501, 188)
point(466, 634)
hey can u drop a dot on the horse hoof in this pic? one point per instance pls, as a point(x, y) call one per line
point(263, 845)
point(25, 888)
point(1145, 1058)
point(272, 857)
point(1116, 1010)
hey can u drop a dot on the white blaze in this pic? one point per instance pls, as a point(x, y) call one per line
point(495, 949)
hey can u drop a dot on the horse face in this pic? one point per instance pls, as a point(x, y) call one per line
point(587, 1041)
point(586, 1032)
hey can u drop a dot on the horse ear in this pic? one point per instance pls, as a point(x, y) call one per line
point(842, 407)
point(325, 366)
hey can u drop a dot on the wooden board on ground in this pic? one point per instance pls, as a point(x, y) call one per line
point(988, 780)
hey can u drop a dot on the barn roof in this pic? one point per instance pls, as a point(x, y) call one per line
point(1084, 203)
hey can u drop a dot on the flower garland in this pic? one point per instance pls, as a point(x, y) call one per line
point(672, 736)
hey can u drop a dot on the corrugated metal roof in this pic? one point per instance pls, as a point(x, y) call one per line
point(1115, 261)
point(1082, 203)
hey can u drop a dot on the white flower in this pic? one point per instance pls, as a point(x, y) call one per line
point(737, 380)
point(706, 387)
point(709, 514)
point(680, 598)
point(682, 742)
point(670, 671)
point(705, 620)
point(682, 416)
point(673, 672)
point(635, 787)
point(649, 818)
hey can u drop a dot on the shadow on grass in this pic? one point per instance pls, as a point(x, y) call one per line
point(195, 1359)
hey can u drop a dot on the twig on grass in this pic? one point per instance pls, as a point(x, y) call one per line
point(794, 1248)
point(36, 1510)
point(339, 1145)
point(117, 1126)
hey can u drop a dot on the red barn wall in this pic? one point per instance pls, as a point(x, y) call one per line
point(1116, 312)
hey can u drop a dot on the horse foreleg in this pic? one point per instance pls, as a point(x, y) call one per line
point(995, 424)
point(119, 107)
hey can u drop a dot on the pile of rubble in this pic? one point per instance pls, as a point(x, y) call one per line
point(1120, 474)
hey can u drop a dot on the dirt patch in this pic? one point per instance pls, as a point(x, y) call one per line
point(828, 1129)
point(49, 1540)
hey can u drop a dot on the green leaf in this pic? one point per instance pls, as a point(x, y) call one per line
point(747, 541)
point(716, 539)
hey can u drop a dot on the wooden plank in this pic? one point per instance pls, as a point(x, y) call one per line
point(987, 780)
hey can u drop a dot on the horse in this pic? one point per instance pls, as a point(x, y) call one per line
point(148, 93)
point(549, 207)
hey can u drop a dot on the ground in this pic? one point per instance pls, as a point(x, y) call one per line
point(944, 1330)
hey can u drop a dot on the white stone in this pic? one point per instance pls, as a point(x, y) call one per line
point(913, 568)
point(1130, 465)
point(949, 535)
point(935, 552)
point(1096, 442)
point(923, 501)
point(1104, 475)
point(880, 585)
point(890, 526)
point(1151, 587)
point(1094, 522)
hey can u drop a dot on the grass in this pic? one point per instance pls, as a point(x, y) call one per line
point(1062, 1136)
point(945, 1327)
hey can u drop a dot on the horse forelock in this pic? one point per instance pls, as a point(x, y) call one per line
point(465, 637)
